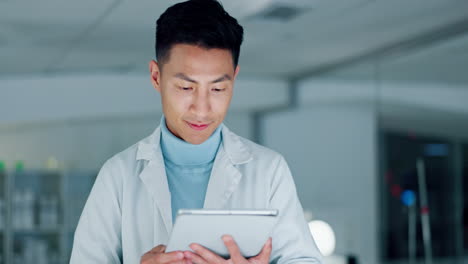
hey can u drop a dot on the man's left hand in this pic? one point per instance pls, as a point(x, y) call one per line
point(205, 256)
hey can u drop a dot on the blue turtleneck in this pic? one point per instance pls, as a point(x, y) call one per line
point(188, 168)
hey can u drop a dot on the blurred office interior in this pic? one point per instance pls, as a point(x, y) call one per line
point(365, 99)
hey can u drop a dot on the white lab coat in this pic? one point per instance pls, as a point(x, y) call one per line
point(128, 211)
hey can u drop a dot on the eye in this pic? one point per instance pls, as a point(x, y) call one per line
point(218, 89)
point(186, 88)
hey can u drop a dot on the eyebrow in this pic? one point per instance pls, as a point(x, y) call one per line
point(184, 77)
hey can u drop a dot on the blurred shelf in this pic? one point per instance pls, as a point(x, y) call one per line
point(38, 231)
point(60, 193)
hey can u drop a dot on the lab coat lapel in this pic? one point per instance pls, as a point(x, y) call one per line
point(154, 176)
point(223, 181)
point(225, 176)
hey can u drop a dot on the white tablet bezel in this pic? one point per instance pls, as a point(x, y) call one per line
point(261, 223)
point(263, 212)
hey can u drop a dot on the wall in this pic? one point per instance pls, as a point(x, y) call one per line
point(332, 154)
point(82, 120)
point(86, 144)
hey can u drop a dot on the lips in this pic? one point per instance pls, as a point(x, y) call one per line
point(198, 127)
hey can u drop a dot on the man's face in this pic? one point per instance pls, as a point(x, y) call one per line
point(196, 88)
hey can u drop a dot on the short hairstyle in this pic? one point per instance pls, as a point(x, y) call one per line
point(204, 23)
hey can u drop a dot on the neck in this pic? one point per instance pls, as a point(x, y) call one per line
point(181, 152)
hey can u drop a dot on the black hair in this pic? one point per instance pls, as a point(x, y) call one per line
point(204, 23)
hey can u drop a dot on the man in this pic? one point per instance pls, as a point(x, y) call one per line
point(192, 160)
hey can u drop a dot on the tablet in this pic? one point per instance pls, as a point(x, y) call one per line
point(249, 228)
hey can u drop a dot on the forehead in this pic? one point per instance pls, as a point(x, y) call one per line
point(192, 59)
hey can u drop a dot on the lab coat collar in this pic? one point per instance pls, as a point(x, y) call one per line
point(223, 180)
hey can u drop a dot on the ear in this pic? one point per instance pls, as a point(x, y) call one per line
point(236, 71)
point(155, 75)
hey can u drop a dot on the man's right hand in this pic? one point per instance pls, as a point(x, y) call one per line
point(157, 255)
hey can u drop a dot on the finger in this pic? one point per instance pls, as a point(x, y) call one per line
point(194, 258)
point(266, 251)
point(206, 254)
point(169, 257)
point(233, 249)
point(176, 262)
point(158, 249)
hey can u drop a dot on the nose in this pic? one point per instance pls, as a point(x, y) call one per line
point(201, 104)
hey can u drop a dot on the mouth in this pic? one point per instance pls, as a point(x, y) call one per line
point(197, 127)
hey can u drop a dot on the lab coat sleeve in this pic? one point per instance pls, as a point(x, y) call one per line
point(292, 241)
point(98, 235)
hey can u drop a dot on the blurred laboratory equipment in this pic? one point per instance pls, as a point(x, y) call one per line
point(425, 220)
point(409, 200)
point(39, 211)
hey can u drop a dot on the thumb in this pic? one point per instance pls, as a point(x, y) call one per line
point(266, 251)
point(158, 249)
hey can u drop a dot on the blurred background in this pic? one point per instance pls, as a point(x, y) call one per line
point(366, 99)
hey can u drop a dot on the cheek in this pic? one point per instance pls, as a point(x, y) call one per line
point(176, 103)
point(220, 105)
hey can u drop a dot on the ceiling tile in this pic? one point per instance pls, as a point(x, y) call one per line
point(41, 32)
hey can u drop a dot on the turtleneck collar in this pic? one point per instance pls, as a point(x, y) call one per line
point(181, 152)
